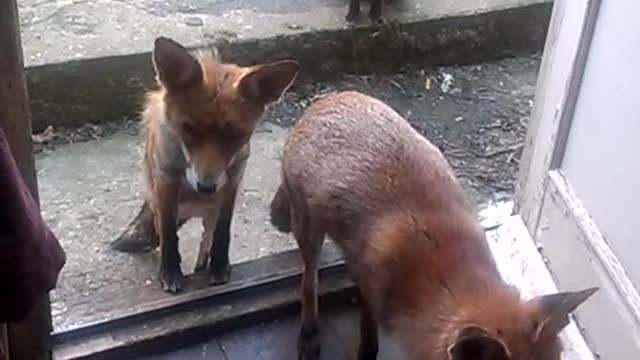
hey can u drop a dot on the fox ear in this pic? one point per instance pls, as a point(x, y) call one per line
point(175, 68)
point(267, 83)
point(554, 310)
point(474, 343)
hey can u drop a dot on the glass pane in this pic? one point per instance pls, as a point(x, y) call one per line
point(90, 175)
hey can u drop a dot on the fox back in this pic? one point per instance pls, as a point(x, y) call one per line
point(416, 251)
point(357, 161)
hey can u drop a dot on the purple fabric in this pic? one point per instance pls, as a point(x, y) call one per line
point(30, 256)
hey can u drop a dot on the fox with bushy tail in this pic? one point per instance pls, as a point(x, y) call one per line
point(198, 126)
point(354, 170)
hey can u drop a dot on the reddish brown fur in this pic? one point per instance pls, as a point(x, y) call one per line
point(197, 130)
point(217, 108)
point(354, 170)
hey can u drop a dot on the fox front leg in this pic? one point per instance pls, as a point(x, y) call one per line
point(166, 226)
point(220, 268)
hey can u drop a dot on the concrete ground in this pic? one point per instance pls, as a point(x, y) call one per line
point(90, 179)
point(88, 60)
point(56, 31)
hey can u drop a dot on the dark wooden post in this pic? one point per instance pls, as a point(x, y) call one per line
point(4, 342)
point(29, 339)
point(15, 117)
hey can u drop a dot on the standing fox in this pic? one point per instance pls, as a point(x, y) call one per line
point(355, 170)
point(198, 126)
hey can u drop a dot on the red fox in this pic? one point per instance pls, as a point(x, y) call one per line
point(197, 131)
point(355, 170)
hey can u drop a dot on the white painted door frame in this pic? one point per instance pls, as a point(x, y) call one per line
point(565, 55)
point(576, 252)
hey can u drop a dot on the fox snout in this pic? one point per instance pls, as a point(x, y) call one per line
point(206, 170)
point(206, 184)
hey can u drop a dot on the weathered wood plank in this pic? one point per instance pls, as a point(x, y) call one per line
point(147, 300)
point(210, 351)
point(556, 90)
point(29, 339)
point(15, 116)
point(164, 331)
point(4, 342)
point(578, 255)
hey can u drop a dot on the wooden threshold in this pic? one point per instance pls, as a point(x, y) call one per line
point(260, 290)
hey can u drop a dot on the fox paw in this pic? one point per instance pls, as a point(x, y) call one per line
point(309, 343)
point(171, 280)
point(220, 274)
point(352, 17)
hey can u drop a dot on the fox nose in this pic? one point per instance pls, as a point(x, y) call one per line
point(207, 185)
